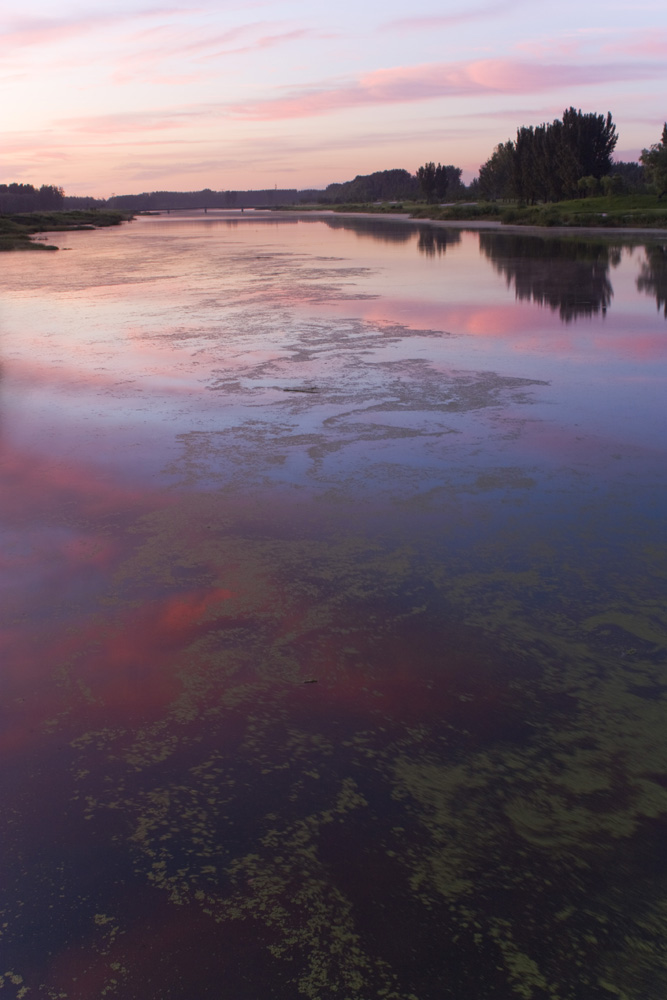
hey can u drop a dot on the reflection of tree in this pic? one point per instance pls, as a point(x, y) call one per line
point(434, 241)
point(256, 221)
point(653, 275)
point(375, 229)
point(568, 276)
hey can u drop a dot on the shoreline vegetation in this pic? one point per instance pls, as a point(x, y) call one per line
point(20, 231)
point(627, 212)
point(559, 174)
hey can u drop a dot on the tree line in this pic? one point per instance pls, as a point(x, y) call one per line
point(568, 158)
point(429, 182)
point(161, 201)
point(16, 198)
point(548, 162)
point(654, 161)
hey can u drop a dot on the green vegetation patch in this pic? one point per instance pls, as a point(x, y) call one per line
point(16, 231)
point(527, 846)
point(460, 212)
point(617, 211)
point(630, 211)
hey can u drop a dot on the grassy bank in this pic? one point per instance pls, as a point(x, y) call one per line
point(617, 211)
point(17, 231)
point(614, 211)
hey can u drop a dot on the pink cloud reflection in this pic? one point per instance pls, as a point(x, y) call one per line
point(34, 485)
point(529, 326)
point(123, 664)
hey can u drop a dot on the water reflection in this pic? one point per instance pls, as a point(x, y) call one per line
point(431, 240)
point(653, 275)
point(435, 241)
point(380, 230)
point(568, 275)
point(362, 693)
point(571, 277)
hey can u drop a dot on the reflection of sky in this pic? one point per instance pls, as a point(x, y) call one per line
point(109, 348)
point(185, 545)
point(124, 360)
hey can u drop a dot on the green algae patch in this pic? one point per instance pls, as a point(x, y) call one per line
point(457, 819)
point(369, 703)
point(462, 819)
point(645, 626)
point(481, 761)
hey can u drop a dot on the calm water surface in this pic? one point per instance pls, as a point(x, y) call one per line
point(333, 614)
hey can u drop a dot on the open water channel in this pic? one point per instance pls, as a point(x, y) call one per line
point(334, 629)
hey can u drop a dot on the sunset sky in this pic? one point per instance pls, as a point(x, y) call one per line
point(132, 97)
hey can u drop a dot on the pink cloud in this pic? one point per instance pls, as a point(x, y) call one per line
point(139, 121)
point(567, 47)
point(267, 41)
point(159, 45)
point(224, 38)
point(436, 80)
point(44, 31)
point(404, 84)
point(27, 32)
point(259, 34)
point(629, 44)
point(649, 46)
point(427, 23)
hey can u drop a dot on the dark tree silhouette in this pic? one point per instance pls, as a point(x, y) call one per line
point(17, 198)
point(546, 162)
point(436, 181)
point(441, 182)
point(587, 142)
point(496, 176)
point(655, 163)
point(383, 185)
point(426, 177)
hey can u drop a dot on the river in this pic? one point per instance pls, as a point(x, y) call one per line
point(333, 624)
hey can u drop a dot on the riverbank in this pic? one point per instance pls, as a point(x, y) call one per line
point(497, 225)
point(19, 232)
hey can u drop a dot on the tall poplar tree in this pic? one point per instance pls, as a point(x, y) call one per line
point(655, 163)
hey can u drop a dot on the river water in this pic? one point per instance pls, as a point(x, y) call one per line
point(333, 613)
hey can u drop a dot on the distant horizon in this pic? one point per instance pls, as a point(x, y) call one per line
point(134, 98)
point(285, 187)
point(205, 187)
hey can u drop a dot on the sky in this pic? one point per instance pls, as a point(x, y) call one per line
point(136, 96)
